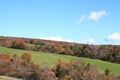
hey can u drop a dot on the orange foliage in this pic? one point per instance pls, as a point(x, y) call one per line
point(6, 57)
point(27, 56)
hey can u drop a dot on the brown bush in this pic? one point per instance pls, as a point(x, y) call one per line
point(22, 67)
point(27, 56)
point(76, 70)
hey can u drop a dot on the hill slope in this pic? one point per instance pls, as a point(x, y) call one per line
point(110, 53)
point(40, 57)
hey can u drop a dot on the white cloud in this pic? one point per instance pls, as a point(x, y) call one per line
point(81, 19)
point(97, 15)
point(89, 41)
point(94, 15)
point(113, 37)
point(56, 39)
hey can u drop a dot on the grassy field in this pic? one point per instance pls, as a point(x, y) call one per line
point(39, 57)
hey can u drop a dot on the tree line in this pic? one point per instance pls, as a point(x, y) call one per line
point(109, 53)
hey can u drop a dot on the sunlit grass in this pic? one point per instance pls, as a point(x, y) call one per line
point(51, 58)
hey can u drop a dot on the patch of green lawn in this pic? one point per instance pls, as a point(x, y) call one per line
point(51, 58)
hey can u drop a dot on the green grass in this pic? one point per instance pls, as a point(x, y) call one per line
point(40, 57)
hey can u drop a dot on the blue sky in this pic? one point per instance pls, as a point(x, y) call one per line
point(82, 21)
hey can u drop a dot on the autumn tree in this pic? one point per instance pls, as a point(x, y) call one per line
point(18, 44)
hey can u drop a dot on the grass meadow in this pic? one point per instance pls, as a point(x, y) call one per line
point(51, 58)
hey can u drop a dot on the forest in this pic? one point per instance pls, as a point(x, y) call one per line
point(109, 53)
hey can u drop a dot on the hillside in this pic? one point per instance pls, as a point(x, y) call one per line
point(40, 57)
point(109, 53)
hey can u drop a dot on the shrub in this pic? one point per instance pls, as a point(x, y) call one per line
point(22, 67)
point(26, 56)
point(76, 70)
point(107, 72)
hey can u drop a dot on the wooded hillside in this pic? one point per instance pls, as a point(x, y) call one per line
point(109, 53)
